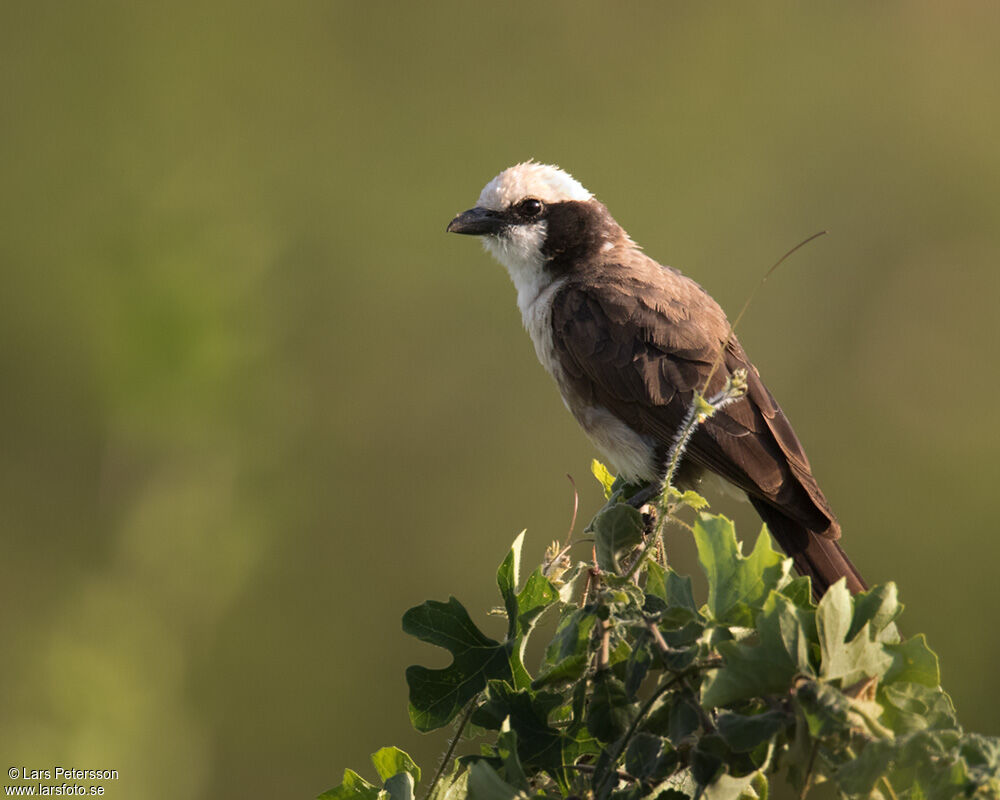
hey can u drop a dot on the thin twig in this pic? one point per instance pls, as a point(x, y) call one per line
point(576, 507)
point(648, 705)
point(586, 588)
point(604, 653)
point(732, 328)
point(592, 769)
point(706, 721)
point(661, 644)
point(809, 771)
point(734, 388)
point(451, 746)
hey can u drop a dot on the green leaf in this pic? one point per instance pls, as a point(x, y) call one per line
point(352, 787)
point(437, 695)
point(656, 581)
point(737, 584)
point(536, 596)
point(649, 758)
point(675, 717)
point(604, 477)
point(637, 665)
point(798, 631)
point(507, 578)
point(766, 667)
point(677, 591)
point(913, 707)
point(485, 784)
point(568, 653)
point(391, 761)
point(828, 711)
point(833, 618)
point(913, 661)
point(799, 591)
point(879, 607)
point(452, 786)
point(400, 787)
point(692, 499)
point(842, 660)
point(539, 744)
point(744, 733)
point(609, 713)
point(679, 786)
point(706, 764)
point(616, 528)
point(859, 775)
point(513, 771)
point(727, 787)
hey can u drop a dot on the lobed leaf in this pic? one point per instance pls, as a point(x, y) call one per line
point(743, 732)
point(452, 786)
point(827, 685)
point(507, 579)
point(649, 757)
point(913, 707)
point(767, 666)
point(352, 787)
point(568, 653)
point(737, 584)
point(610, 711)
point(913, 661)
point(844, 660)
point(437, 695)
point(616, 528)
point(485, 784)
point(879, 607)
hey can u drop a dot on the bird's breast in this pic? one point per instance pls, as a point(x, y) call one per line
point(536, 314)
point(631, 454)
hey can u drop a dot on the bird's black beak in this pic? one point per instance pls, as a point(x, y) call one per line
point(477, 222)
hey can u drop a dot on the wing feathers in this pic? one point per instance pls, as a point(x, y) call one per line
point(639, 344)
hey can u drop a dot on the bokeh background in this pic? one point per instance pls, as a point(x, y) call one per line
point(254, 403)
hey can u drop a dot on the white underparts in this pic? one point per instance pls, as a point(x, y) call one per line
point(519, 247)
point(633, 456)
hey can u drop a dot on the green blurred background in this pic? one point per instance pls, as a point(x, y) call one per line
point(255, 403)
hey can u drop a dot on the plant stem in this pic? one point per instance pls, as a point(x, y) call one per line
point(678, 677)
point(809, 771)
point(700, 410)
point(446, 760)
point(888, 786)
point(592, 769)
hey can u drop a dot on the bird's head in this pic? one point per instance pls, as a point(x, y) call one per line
point(532, 215)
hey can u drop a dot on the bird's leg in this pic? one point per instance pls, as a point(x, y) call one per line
point(644, 495)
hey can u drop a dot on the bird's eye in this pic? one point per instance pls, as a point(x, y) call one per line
point(530, 208)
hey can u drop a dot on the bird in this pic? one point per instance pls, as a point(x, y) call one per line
point(629, 341)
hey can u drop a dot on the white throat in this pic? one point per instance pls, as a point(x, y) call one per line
point(520, 252)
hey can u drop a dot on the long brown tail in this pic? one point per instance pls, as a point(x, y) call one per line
point(819, 557)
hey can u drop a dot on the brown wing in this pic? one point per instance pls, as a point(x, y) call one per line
point(639, 342)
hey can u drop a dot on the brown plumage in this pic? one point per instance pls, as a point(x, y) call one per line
point(627, 344)
point(629, 341)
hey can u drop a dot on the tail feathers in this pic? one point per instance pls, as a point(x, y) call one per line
point(825, 562)
point(815, 555)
